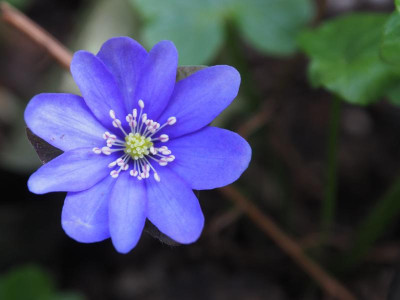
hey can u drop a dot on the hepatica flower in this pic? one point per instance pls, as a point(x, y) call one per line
point(136, 143)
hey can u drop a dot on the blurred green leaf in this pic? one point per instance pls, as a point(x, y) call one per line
point(28, 283)
point(393, 94)
point(344, 55)
point(397, 3)
point(390, 47)
point(31, 283)
point(15, 152)
point(197, 27)
point(21, 4)
point(272, 26)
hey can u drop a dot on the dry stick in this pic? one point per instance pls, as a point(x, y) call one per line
point(15, 18)
point(288, 245)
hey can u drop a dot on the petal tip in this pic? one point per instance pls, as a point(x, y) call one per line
point(34, 186)
point(123, 247)
point(81, 231)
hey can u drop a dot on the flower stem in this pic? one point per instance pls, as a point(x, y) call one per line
point(330, 193)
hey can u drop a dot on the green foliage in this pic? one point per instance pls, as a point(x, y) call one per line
point(345, 59)
point(31, 283)
point(197, 27)
point(273, 26)
point(390, 47)
point(20, 4)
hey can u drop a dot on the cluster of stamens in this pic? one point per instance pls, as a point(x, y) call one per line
point(138, 146)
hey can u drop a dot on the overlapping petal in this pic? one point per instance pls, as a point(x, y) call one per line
point(158, 78)
point(99, 206)
point(85, 214)
point(72, 171)
point(127, 212)
point(98, 86)
point(173, 208)
point(210, 158)
point(124, 58)
point(199, 98)
point(64, 121)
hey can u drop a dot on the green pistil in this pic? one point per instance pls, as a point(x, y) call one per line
point(137, 146)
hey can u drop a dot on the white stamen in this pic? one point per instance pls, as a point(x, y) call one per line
point(96, 150)
point(164, 138)
point(112, 114)
point(157, 177)
point(171, 120)
point(141, 103)
point(116, 123)
point(106, 150)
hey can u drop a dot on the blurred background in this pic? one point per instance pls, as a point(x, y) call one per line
point(350, 227)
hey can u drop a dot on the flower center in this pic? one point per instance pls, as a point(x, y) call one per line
point(139, 145)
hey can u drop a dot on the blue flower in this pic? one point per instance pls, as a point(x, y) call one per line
point(136, 143)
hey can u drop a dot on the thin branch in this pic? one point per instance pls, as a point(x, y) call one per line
point(288, 245)
point(15, 18)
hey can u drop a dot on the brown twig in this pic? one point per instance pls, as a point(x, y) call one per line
point(259, 119)
point(15, 18)
point(226, 219)
point(288, 245)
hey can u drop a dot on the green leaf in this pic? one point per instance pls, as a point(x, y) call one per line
point(393, 94)
point(194, 26)
point(15, 151)
point(272, 26)
point(390, 47)
point(20, 4)
point(344, 57)
point(397, 3)
point(197, 27)
point(28, 282)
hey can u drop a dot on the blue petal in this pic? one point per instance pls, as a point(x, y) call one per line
point(158, 78)
point(85, 214)
point(124, 58)
point(64, 121)
point(210, 158)
point(127, 212)
point(72, 171)
point(173, 207)
point(199, 98)
point(98, 87)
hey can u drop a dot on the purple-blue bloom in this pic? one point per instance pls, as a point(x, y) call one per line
point(136, 143)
